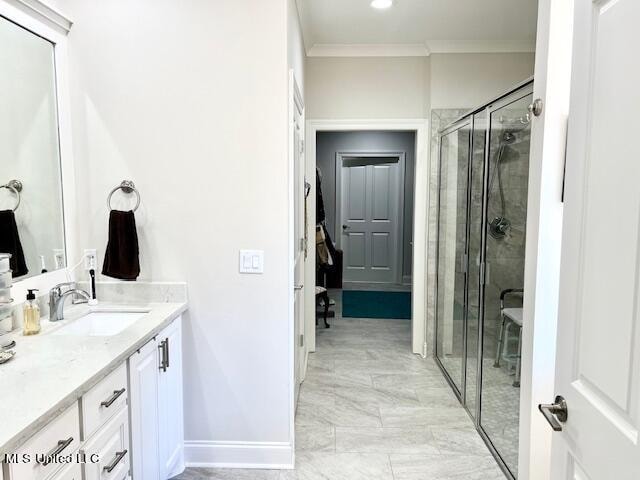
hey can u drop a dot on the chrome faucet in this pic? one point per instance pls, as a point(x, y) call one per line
point(59, 294)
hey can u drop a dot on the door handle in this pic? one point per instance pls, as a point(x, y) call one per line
point(555, 413)
point(163, 355)
point(298, 287)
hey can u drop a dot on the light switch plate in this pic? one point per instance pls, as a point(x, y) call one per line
point(252, 261)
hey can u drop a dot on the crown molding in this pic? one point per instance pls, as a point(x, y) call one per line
point(419, 49)
point(479, 46)
point(368, 50)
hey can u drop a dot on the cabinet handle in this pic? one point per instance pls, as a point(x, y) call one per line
point(57, 450)
point(114, 463)
point(163, 355)
point(166, 342)
point(116, 394)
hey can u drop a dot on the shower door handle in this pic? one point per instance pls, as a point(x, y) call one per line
point(555, 413)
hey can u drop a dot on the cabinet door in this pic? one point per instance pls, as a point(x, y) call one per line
point(107, 453)
point(170, 401)
point(143, 405)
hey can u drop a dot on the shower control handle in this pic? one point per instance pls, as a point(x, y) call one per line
point(345, 227)
point(555, 413)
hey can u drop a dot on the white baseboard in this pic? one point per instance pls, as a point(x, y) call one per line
point(264, 455)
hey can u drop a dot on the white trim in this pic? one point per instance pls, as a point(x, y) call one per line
point(417, 49)
point(44, 13)
point(337, 233)
point(263, 455)
point(420, 211)
point(296, 102)
point(368, 50)
point(552, 84)
point(474, 46)
point(34, 19)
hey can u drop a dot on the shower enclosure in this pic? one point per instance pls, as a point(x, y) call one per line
point(482, 210)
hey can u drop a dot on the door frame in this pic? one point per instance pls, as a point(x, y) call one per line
point(420, 221)
point(296, 102)
point(340, 156)
point(544, 233)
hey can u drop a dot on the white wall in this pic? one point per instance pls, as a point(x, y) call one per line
point(189, 100)
point(366, 88)
point(467, 80)
point(408, 87)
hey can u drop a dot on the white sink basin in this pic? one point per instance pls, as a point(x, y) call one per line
point(100, 324)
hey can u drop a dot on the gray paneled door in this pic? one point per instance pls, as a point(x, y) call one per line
point(369, 217)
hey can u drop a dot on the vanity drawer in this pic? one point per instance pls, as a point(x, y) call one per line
point(72, 471)
point(105, 399)
point(110, 447)
point(61, 437)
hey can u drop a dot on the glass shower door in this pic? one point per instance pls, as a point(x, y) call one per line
point(474, 257)
point(452, 233)
point(505, 225)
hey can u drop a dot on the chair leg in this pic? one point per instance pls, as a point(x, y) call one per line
point(326, 309)
point(496, 364)
point(516, 381)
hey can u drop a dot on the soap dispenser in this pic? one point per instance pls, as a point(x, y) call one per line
point(31, 318)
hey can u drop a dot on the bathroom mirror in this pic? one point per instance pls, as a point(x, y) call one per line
point(31, 209)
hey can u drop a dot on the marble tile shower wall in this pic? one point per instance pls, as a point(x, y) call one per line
point(440, 118)
point(505, 257)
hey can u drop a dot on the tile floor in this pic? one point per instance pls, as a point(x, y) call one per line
point(371, 410)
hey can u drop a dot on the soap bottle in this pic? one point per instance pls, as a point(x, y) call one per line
point(31, 318)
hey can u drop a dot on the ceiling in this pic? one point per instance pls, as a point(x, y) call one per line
point(417, 27)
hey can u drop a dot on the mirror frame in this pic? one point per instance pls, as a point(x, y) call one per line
point(46, 22)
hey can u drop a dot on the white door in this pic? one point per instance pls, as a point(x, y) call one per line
point(299, 226)
point(171, 424)
point(143, 408)
point(370, 218)
point(597, 370)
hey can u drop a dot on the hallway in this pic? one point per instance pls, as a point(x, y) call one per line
point(371, 410)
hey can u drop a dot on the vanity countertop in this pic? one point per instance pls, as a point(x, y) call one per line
point(49, 372)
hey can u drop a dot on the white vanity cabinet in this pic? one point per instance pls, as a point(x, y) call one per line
point(60, 437)
point(155, 384)
point(72, 471)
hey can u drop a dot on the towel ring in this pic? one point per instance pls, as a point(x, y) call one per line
point(127, 186)
point(15, 186)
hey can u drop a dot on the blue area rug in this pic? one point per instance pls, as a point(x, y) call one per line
point(369, 304)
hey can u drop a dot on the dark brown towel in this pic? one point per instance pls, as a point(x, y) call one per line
point(121, 257)
point(10, 243)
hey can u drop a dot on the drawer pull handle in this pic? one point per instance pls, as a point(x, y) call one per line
point(57, 450)
point(116, 394)
point(118, 458)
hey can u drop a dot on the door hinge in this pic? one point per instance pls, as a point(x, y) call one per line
point(302, 340)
